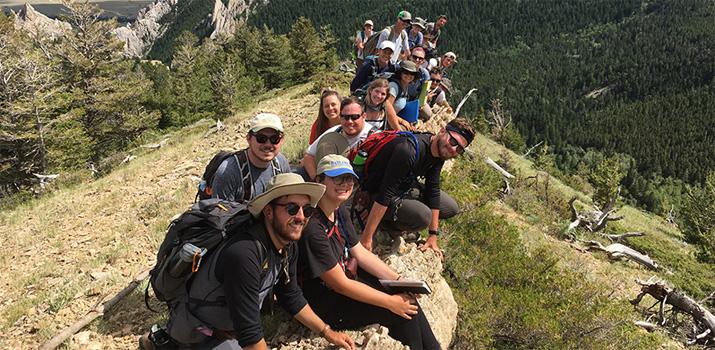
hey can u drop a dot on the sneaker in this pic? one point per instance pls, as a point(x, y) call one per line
point(145, 343)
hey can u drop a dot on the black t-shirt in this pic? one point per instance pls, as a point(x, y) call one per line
point(239, 270)
point(392, 171)
point(324, 244)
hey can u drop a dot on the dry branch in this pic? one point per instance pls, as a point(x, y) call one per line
point(617, 251)
point(60, 338)
point(621, 237)
point(459, 106)
point(704, 319)
point(595, 220)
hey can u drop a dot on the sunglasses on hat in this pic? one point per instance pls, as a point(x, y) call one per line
point(293, 209)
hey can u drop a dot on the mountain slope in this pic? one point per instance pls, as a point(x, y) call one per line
point(78, 245)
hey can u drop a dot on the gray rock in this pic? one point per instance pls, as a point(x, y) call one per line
point(140, 35)
point(28, 19)
point(439, 307)
point(225, 19)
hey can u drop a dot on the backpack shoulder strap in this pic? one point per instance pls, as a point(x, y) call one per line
point(245, 166)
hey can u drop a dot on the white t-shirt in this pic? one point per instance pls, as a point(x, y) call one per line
point(400, 41)
point(352, 140)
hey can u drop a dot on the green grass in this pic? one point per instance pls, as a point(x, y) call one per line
point(511, 297)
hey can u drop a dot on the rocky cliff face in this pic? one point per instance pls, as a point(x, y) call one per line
point(140, 35)
point(28, 19)
point(439, 307)
point(225, 18)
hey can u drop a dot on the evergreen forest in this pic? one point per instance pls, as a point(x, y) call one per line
point(634, 79)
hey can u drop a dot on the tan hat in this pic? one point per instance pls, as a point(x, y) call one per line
point(265, 120)
point(335, 165)
point(386, 44)
point(284, 185)
point(368, 23)
point(331, 143)
point(404, 15)
point(419, 22)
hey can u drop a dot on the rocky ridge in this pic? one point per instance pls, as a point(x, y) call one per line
point(140, 35)
point(34, 22)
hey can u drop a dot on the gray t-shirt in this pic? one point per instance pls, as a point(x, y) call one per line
point(228, 183)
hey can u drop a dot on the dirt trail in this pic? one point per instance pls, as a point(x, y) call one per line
point(67, 252)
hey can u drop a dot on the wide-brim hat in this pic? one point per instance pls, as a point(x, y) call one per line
point(331, 143)
point(409, 66)
point(419, 22)
point(284, 185)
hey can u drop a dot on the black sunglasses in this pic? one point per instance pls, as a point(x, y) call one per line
point(347, 117)
point(293, 209)
point(339, 180)
point(436, 81)
point(417, 58)
point(455, 143)
point(406, 21)
point(261, 138)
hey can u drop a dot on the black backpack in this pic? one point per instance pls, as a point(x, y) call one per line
point(195, 235)
point(205, 190)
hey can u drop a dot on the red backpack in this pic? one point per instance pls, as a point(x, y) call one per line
point(363, 154)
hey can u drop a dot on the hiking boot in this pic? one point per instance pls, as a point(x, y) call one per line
point(156, 339)
point(145, 343)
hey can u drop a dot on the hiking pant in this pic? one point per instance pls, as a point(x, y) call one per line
point(410, 214)
point(341, 312)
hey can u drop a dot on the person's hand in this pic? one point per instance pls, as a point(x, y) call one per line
point(431, 243)
point(406, 126)
point(403, 305)
point(339, 338)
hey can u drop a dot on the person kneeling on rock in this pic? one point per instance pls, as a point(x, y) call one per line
point(329, 257)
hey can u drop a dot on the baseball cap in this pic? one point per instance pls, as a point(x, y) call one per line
point(386, 44)
point(265, 120)
point(368, 22)
point(404, 15)
point(452, 55)
point(335, 165)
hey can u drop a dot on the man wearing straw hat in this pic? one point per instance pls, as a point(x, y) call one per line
point(251, 263)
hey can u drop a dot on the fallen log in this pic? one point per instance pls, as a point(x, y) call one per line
point(616, 251)
point(621, 237)
point(60, 338)
point(704, 320)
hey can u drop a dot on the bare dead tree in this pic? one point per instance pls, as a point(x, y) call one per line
point(461, 103)
point(617, 251)
point(704, 320)
point(505, 174)
point(671, 216)
point(595, 220)
point(526, 154)
point(498, 118)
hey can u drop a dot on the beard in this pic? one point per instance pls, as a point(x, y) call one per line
point(288, 231)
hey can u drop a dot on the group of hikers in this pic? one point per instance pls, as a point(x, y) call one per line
point(305, 234)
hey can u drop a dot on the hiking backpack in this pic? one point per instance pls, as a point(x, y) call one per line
point(364, 153)
point(370, 47)
point(192, 238)
point(205, 190)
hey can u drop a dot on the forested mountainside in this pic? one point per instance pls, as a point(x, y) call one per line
point(633, 77)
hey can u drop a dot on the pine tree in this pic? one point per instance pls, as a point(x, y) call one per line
point(606, 179)
point(107, 92)
point(699, 219)
point(30, 97)
point(312, 51)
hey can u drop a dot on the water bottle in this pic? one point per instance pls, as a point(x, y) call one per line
point(183, 261)
point(359, 162)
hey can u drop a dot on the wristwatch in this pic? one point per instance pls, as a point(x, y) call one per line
point(436, 232)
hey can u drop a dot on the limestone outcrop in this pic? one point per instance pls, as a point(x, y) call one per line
point(225, 18)
point(37, 24)
point(439, 307)
point(140, 35)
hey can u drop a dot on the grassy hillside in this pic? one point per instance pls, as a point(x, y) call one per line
point(519, 285)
